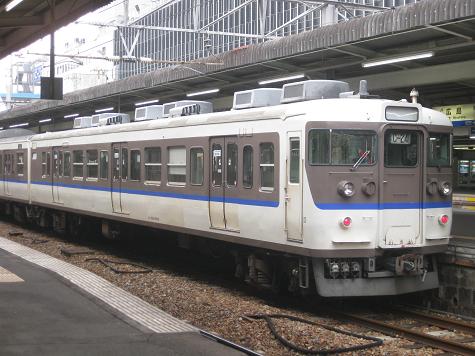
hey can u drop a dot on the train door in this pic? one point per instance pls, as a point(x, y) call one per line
point(293, 187)
point(8, 171)
point(2, 172)
point(57, 174)
point(223, 182)
point(401, 187)
point(120, 167)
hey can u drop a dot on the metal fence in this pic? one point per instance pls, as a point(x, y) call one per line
point(186, 30)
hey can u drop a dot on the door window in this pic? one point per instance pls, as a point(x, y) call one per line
point(400, 148)
point(294, 165)
point(217, 169)
point(231, 164)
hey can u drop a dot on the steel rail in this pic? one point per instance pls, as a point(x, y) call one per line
point(439, 321)
point(423, 338)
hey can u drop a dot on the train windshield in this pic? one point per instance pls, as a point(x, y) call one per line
point(438, 153)
point(342, 147)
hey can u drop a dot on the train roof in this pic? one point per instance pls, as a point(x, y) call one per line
point(362, 110)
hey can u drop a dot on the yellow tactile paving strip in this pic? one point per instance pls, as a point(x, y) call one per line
point(8, 277)
point(464, 201)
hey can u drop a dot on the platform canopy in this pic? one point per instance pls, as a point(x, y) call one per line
point(23, 22)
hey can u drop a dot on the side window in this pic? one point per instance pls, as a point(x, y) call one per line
point(20, 163)
point(104, 165)
point(78, 163)
point(43, 163)
point(48, 163)
point(135, 164)
point(267, 166)
point(197, 166)
point(231, 164)
point(92, 165)
point(177, 165)
point(217, 168)
point(319, 147)
point(153, 164)
point(124, 166)
point(67, 164)
point(247, 162)
point(294, 166)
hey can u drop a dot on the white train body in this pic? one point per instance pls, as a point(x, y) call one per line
point(367, 228)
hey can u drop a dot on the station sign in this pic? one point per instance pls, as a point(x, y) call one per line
point(459, 114)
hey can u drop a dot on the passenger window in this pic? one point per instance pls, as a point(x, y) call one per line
point(267, 166)
point(92, 165)
point(247, 167)
point(294, 165)
point(125, 164)
point(43, 163)
point(19, 163)
point(48, 163)
point(134, 165)
point(197, 166)
point(104, 165)
point(78, 163)
point(67, 164)
point(177, 165)
point(217, 169)
point(231, 164)
point(153, 164)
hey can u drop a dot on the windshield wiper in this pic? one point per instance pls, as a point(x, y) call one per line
point(360, 160)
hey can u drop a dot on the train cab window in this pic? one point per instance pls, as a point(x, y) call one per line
point(342, 147)
point(153, 165)
point(92, 164)
point(135, 165)
point(294, 164)
point(438, 151)
point(104, 165)
point(247, 156)
point(217, 165)
point(78, 164)
point(67, 164)
point(400, 148)
point(231, 164)
point(267, 166)
point(20, 163)
point(124, 166)
point(177, 165)
point(196, 166)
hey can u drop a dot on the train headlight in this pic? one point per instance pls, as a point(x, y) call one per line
point(443, 220)
point(346, 189)
point(369, 188)
point(445, 188)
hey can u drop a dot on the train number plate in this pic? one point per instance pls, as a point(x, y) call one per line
point(399, 138)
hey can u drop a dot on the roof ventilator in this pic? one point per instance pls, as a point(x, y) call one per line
point(82, 122)
point(362, 93)
point(256, 98)
point(203, 107)
point(312, 89)
point(112, 118)
point(151, 112)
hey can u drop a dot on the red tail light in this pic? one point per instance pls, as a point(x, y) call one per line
point(443, 219)
point(346, 222)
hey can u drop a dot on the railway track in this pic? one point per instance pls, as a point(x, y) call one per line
point(460, 344)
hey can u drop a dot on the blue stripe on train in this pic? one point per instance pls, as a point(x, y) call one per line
point(272, 204)
point(383, 206)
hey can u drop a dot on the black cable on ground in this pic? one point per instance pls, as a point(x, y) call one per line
point(108, 264)
point(268, 318)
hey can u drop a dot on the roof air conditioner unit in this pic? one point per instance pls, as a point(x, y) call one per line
point(256, 98)
point(205, 107)
point(113, 119)
point(151, 112)
point(312, 89)
point(82, 122)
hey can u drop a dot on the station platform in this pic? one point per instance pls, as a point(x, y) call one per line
point(50, 307)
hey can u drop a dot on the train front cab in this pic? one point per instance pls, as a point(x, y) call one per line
point(411, 202)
